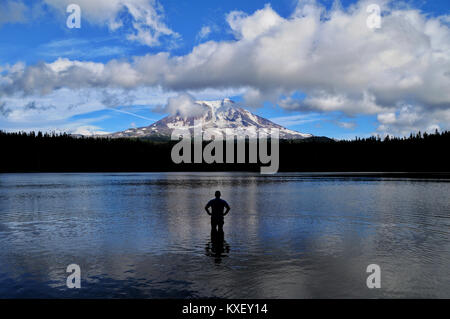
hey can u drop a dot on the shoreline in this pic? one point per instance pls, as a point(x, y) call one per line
point(419, 175)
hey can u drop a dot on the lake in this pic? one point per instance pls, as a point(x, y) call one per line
point(287, 236)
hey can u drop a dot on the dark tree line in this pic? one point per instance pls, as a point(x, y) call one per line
point(38, 152)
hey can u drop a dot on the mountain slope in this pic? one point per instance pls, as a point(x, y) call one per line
point(218, 115)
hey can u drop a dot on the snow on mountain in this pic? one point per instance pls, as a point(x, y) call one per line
point(218, 116)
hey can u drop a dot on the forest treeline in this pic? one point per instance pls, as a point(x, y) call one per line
point(43, 152)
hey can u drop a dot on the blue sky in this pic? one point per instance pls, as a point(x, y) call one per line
point(38, 92)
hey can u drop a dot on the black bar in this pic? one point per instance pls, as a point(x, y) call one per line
point(232, 308)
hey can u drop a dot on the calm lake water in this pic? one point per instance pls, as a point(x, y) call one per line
point(287, 236)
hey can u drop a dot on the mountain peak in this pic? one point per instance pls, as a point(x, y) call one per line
point(218, 115)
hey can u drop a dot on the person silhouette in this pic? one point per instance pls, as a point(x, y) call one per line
point(217, 206)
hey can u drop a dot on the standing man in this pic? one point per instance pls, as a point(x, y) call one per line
point(217, 206)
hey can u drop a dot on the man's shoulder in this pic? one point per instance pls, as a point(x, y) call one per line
point(213, 201)
point(217, 201)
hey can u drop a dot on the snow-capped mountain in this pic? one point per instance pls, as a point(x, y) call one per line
point(217, 116)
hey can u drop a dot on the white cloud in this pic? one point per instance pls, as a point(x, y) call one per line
point(387, 118)
point(204, 32)
point(81, 126)
point(12, 11)
point(297, 119)
point(321, 100)
point(86, 130)
point(412, 119)
point(184, 105)
point(81, 48)
point(332, 57)
point(63, 104)
point(347, 125)
point(250, 27)
point(300, 119)
point(147, 17)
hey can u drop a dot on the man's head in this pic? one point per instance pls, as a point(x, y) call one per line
point(217, 194)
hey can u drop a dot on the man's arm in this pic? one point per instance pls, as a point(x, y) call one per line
point(227, 207)
point(207, 208)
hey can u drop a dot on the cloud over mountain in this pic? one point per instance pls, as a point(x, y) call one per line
point(330, 57)
point(184, 105)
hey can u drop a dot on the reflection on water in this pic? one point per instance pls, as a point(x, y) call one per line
point(217, 247)
point(287, 236)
